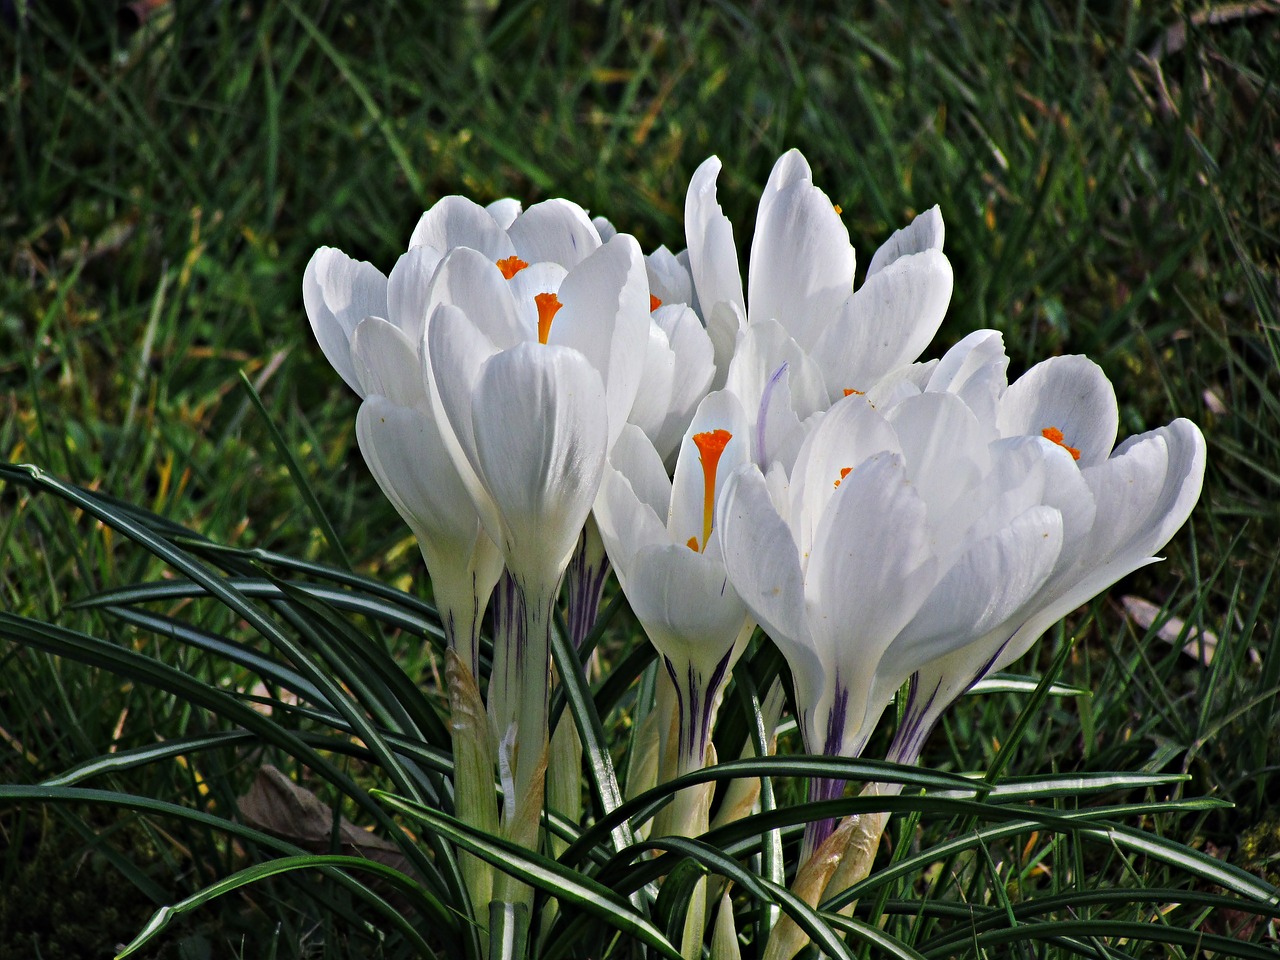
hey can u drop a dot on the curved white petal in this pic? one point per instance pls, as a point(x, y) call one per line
point(763, 565)
point(850, 433)
point(338, 292)
point(605, 317)
point(625, 521)
point(801, 262)
point(1144, 494)
point(990, 584)
point(870, 571)
point(555, 230)
point(713, 258)
point(653, 398)
point(692, 375)
point(388, 364)
point(636, 459)
point(1071, 394)
point(540, 439)
point(455, 352)
point(504, 211)
point(887, 322)
point(975, 370)
point(459, 222)
point(686, 604)
point(669, 279)
point(469, 280)
point(408, 291)
point(925, 232)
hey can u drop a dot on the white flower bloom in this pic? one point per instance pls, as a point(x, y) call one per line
point(659, 536)
point(802, 337)
point(899, 542)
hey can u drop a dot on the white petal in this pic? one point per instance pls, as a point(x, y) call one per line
point(407, 456)
point(763, 566)
point(946, 451)
point(455, 352)
point(460, 222)
point(604, 228)
point(1071, 394)
point(725, 324)
point(994, 579)
point(713, 257)
point(669, 279)
point(869, 573)
point(925, 232)
point(1144, 494)
point(540, 434)
point(504, 211)
point(469, 280)
point(605, 317)
point(774, 378)
point(653, 399)
point(686, 604)
point(975, 370)
point(338, 293)
point(692, 376)
point(626, 523)
point(387, 364)
point(636, 459)
point(801, 263)
point(851, 433)
point(886, 323)
point(408, 290)
point(555, 230)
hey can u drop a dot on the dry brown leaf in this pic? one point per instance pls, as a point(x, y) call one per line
point(1198, 645)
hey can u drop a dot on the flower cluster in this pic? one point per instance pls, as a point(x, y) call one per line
point(771, 453)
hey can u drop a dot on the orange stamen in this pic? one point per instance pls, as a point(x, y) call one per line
point(548, 304)
point(510, 266)
point(844, 472)
point(654, 303)
point(710, 446)
point(849, 391)
point(1054, 435)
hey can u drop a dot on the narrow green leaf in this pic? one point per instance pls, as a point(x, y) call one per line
point(568, 886)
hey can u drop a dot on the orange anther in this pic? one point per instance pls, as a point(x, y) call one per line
point(654, 303)
point(710, 446)
point(1054, 435)
point(510, 266)
point(548, 304)
point(844, 472)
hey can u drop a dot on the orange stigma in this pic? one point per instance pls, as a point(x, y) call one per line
point(850, 392)
point(710, 446)
point(844, 472)
point(692, 544)
point(654, 303)
point(510, 266)
point(1054, 435)
point(837, 208)
point(548, 304)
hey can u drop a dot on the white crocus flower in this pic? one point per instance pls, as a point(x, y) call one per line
point(897, 544)
point(659, 535)
point(535, 369)
point(1119, 507)
point(802, 337)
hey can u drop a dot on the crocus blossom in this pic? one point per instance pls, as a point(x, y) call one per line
point(802, 337)
point(895, 544)
point(659, 534)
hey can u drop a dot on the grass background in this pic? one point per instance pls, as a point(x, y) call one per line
point(1110, 179)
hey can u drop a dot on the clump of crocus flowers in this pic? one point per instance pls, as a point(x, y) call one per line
point(541, 401)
